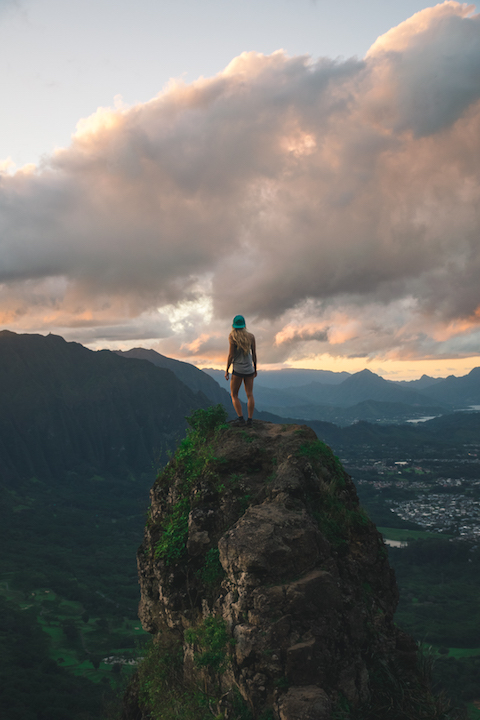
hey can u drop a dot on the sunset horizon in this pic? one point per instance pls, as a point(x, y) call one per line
point(331, 200)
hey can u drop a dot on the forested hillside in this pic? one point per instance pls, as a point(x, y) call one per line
point(195, 379)
point(82, 435)
point(64, 408)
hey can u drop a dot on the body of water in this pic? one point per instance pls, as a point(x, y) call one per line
point(422, 419)
point(395, 543)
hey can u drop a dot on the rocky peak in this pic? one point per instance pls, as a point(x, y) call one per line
point(261, 569)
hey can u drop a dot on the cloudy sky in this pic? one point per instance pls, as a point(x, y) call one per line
point(314, 166)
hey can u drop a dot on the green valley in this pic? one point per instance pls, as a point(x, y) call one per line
point(82, 436)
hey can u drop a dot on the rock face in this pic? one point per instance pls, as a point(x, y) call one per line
point(259, 560)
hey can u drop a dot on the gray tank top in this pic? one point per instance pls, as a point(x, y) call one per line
point(242, 363)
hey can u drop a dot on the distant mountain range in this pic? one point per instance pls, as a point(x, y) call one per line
point(288, 377)
point(456, 391)
point(423, 382)
point(356, 388)
point(68, 413)
point(64, 408)
point(343, 398)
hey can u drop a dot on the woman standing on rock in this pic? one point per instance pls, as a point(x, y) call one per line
point(243, 354)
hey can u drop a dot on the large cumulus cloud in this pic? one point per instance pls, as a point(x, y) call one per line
point(333, 202)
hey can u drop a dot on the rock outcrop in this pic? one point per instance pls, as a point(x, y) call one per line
point(260, 564)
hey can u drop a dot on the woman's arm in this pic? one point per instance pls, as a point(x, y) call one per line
point(231, 353)
point(254, 354)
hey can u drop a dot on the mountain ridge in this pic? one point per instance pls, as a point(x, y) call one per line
point(66, 408)
point(289, 377)
point(194, 378)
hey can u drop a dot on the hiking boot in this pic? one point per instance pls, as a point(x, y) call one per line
point(238, 422)
point(249, 422)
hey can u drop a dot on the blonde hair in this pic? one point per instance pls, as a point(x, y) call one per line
point(242, 339)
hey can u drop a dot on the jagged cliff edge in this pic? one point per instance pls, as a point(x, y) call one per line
point(266, 587)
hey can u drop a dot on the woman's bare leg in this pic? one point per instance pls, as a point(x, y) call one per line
point(248, 382)
point(235, 385)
